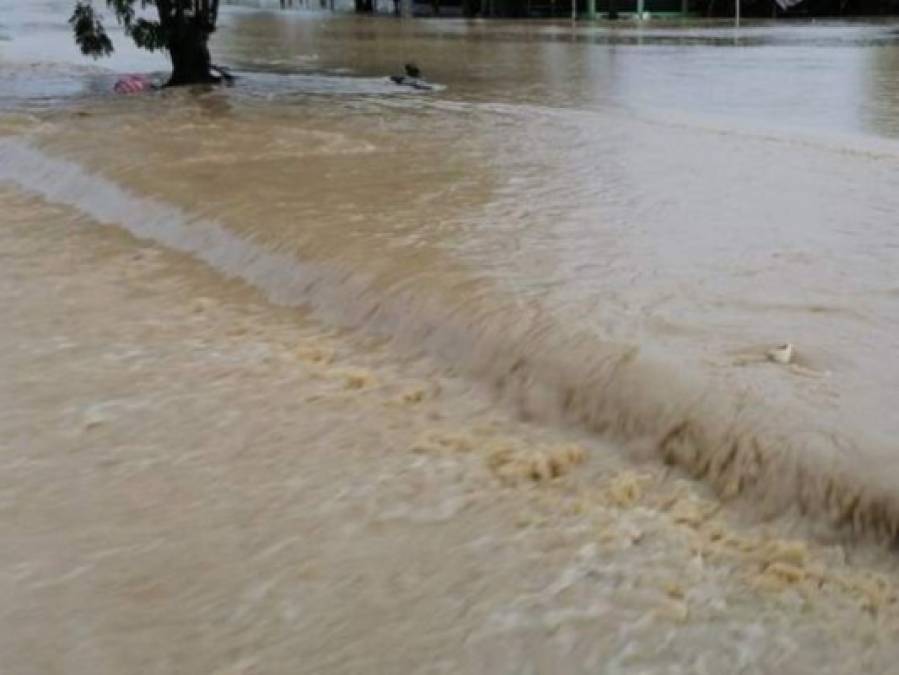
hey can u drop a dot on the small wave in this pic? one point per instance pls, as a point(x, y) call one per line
point(741, 446)
point(852, 144)
point(286, 85)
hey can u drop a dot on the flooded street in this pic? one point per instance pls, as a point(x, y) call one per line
point(320, 374)
point(181, 492)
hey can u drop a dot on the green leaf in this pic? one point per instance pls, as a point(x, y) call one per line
point(90, 35)
point(148, 35)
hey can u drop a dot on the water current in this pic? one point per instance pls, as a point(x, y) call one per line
point(607, 227)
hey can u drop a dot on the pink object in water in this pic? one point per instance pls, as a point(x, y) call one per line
point(132, 84)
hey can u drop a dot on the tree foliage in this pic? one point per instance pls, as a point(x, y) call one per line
point(182, 27)
point(175, 17)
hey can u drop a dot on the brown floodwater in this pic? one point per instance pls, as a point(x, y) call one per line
point(595, 234)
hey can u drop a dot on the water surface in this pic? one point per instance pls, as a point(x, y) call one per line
point(611, 224)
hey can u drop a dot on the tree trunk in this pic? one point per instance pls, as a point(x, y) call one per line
point(191, 62)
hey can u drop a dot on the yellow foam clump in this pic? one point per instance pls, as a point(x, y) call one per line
point(357, 379)
point(872, 590)
point(626, 489)
point(673, 590)
point(779, 576)
point(312, 353)
point(784, 551)
point(692, 512)
point(435, 443)
point(414, 396)
point(513, 465)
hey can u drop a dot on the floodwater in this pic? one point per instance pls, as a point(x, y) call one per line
point(415, 308)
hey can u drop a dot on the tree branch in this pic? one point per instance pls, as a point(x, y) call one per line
point(90, 35)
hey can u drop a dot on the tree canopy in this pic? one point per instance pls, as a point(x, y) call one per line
point(182, 27)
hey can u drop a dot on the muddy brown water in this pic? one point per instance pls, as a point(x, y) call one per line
point(593, 235)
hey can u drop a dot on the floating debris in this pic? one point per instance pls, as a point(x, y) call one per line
point(781, 354)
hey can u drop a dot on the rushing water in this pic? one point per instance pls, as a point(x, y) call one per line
point(612, 225)
point(609, 226)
